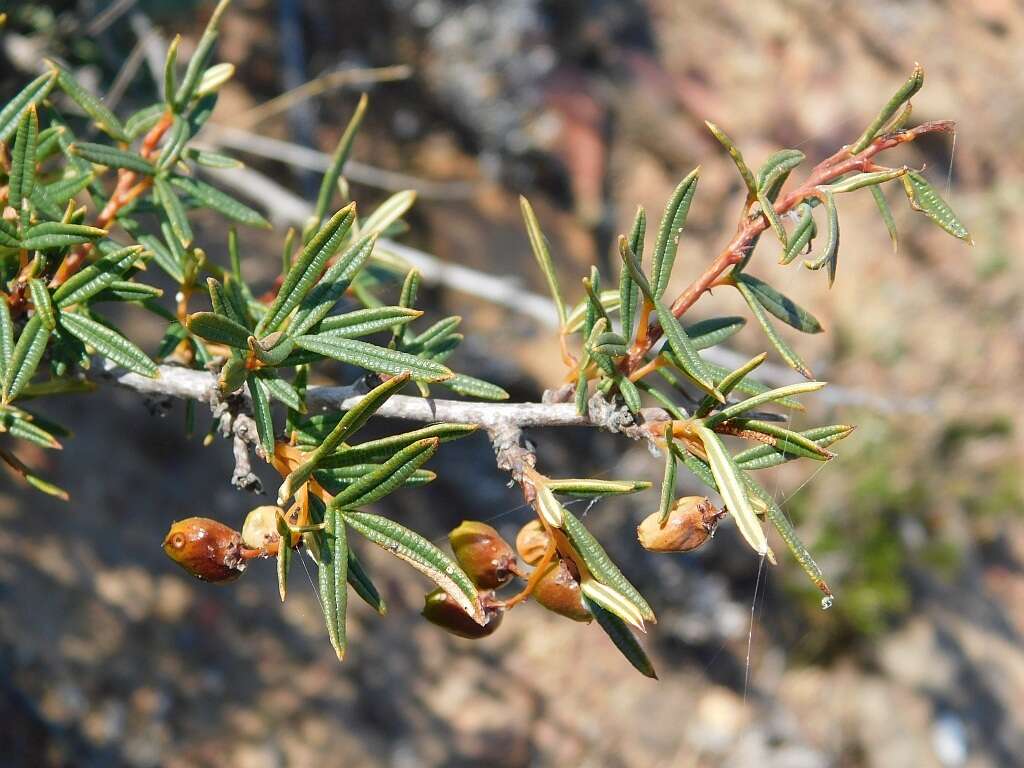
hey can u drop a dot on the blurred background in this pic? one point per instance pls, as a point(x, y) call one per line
point(110, 655)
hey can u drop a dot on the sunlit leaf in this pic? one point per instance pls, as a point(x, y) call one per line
point(334, 578)
point(374, 358)
point(307, 268)
point(925, 199)
point(732, 489)
point(905, 92)
point(623, 638)
point(422, 555)
point(600, 565)
point(108, 342)
point(669, 231)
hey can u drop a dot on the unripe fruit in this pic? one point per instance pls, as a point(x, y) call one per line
point(485, 557)
point(259, 531)
point(691, 521)
point(207, 549)
point(532, 541)
point(441, 610)
point(558, 591)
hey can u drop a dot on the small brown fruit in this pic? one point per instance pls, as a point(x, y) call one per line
point(532, 541)
point(485, 557)
point(207, 549)
point(441, 610)
point(559, 591)
point(691, 521)
point(259, 531)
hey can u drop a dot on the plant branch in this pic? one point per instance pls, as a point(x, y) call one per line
point(189, 384)
point(839, 164)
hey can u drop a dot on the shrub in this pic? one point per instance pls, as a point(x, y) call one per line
point(83, 220)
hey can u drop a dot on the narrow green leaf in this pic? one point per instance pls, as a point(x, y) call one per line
point(390, 475)
point(830, 254)
point(102, 273)
point(214, 78)
point(56, 234)
point(388, 212)
point(17, 424)
point(282, 391)
point(623, 638)
point(42, 303)
point(905, 92)
point(672, 223)
point(781, 345)
point(57, 193)
point(926, 200)
point(471, 386)
point(713, 331)
point(861, 180)
point(693, 364)
point(731, 411)
point(737, 158)
point(140, 122)
point(332, 286)
point(609, 301)
point(360, 581)
point(730, 485)
point(223, 305)
point(334, 578)
point(284, 557)
point(261, 412)
point(30, 477)
point(784, 308)
point(773, 174)
point(104, 119)
point(348, 424)
point(166, 258)
point(197, 64)
point(613, 601)
point(374, 358)
point(337, 479)
point(6, 338)
point(9, 235)
point(101, 154)
point(668, 481)
point(124, 290)
point(174, 210)
point(109, 343)
point(729, 382)
point(629, 293)
point(307, 268)
point(28, 97)
point(803, 233)
point(219, 329)
point(548, 507)
point(212, 197)
point(887, 217)
point(600, 565)
point(363, 322)
point(375, 450)
point(422, 555)
point(764, 456)
point(23, 161)
point(775, 515)
point(539, 244)
point(589, 487)
point(174, 144)
point(212, 159)
point(341, 153)
point(25, 357)
point(786, 439)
